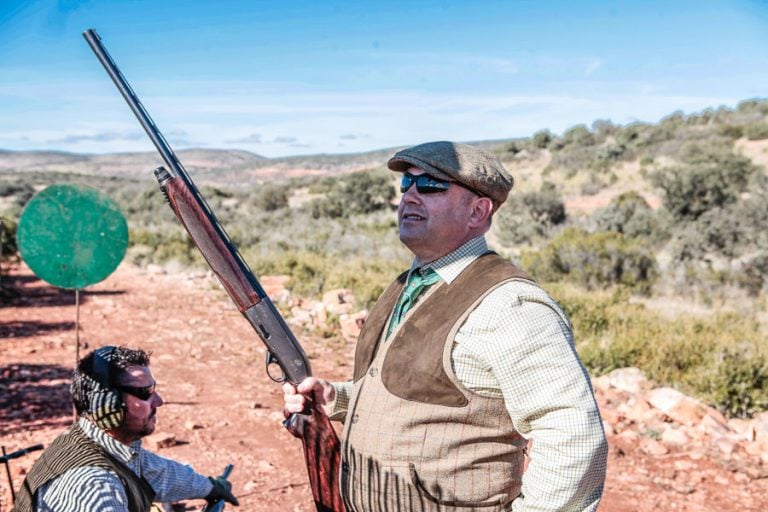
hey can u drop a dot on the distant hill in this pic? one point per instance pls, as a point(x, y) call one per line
point(216, 166)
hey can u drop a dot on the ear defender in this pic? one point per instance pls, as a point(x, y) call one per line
point(106, 404)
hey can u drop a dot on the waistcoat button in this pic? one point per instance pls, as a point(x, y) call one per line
point(355, 418)
point(373, 371)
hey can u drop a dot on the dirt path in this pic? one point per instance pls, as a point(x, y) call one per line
point(222, 408)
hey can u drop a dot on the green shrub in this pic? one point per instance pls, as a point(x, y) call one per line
point(629, 214)
point(529, 215)
point(578, 135)
point(710, 178)
point(542, 139)
point(355, 194)
point(8, 246)
point(720, 359)
point(737, 380)
point(21, 192)
point(756, 131)
point(592, 260)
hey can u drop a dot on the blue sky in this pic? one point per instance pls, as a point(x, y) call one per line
point(302, 77)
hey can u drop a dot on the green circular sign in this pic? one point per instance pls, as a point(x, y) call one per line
point(72, 236)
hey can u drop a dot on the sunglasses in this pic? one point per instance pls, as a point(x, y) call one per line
point(144, 393)
point(426, 184)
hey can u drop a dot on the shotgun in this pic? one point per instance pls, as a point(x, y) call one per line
point(320, 442)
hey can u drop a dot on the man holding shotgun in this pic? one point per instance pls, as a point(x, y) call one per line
point(461, 363)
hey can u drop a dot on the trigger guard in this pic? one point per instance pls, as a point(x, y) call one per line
point(272, 361)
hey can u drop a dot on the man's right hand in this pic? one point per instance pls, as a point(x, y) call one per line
point(317, 390)
point(222, 490)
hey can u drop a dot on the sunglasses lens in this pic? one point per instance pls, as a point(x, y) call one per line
point(428, 185)
point(425, 184)
point(144, 393)
point(405, 182)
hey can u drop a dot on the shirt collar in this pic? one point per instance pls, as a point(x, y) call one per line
point(122, 452)
point(449, 267)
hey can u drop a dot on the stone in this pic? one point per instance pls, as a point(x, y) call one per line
point(744, 428)
point(340, 301)
point(630, 380)
point(653, 447)
point(351, 325)
point(760, 424)
point(192, 425)
point(725, 445)
point(679, 407)
point(675, 437)
point(274, 287)
point(155, 269)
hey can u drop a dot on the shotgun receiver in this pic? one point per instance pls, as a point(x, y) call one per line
point(320, 442)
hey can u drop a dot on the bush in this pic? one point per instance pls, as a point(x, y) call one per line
point(21, 192)
point(271, 198)
point(708, 180)
point(629, 214)
point(528, 216)
point(593, 260)
point(737, 380)
point(542, 139)
point(718, 359)
point(8, 246)
point(756, 131)
point(354, 194)
point(578, 135)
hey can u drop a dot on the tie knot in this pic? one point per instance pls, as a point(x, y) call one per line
point(423, 277)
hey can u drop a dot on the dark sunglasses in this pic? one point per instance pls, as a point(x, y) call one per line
point(144, 393)
point(426, 184)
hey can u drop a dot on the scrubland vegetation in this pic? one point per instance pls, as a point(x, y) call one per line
point(667, 269)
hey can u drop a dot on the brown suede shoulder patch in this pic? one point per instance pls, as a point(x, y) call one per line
point(413, 366)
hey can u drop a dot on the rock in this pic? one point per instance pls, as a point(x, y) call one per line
point(681, 408)
point(760, 424)
point(744, 428)
point(264, 465)
point(653, 447)
point(155, 269)
point(352, 324)
point(725, 445)
point(630, 380)
point(612, 416)
point(340, 301)
point(160, 440)
point(192, 425)
point(640, 412)
point(675, 437)
point(274, 286)
point(714, 426)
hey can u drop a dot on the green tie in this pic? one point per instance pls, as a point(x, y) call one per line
point(416, 284)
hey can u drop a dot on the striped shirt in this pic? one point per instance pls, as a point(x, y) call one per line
point(87, 489)
point(517, 344)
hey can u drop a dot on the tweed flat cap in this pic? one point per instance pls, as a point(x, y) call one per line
point(452, 161)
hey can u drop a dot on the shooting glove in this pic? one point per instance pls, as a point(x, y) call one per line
point(222, 489)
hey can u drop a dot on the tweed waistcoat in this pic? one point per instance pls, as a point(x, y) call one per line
point(74, 449)
point(415, 438)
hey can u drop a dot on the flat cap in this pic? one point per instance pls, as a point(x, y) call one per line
point(452, 161)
